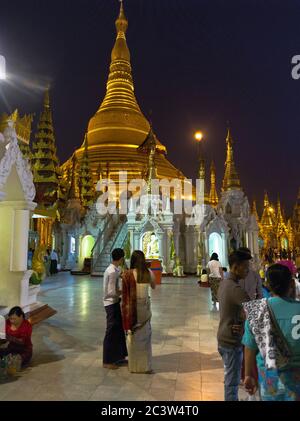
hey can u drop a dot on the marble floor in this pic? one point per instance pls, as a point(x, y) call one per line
point(67, 362)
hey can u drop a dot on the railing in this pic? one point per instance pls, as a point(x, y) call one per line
point(103, 236)
point(99, 244)
point(120, 237)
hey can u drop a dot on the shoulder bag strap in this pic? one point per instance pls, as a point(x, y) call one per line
point(278, 331)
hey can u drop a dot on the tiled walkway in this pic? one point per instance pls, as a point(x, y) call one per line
point(67, 363)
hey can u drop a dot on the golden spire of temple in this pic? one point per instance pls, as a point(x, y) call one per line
point(254, 210)
point(47, 98)
point(152, 172)
point(266, 200)
point(213, 195)
point(268, 216)
point(87, 190)
point(119, 118)
point(73, 194)
point(202, 177)
point(280, 219)
point(231, 179)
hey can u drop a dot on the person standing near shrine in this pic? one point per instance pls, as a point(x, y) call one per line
point(53, 262)
point(215, 276)
point(231, 326)
point(114, 343)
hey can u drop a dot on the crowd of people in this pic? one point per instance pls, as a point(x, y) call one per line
point(259, 328)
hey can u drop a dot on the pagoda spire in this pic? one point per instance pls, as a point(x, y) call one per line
point(119, 107)
point(44, 160)
point(254, 210)
point(152, 171)
point(266, 200)
point(73, 194)
point(231, 179)
point(280, 219)
point(87, 192)
point(268, 215)
point(213, 195)
point(203, 197)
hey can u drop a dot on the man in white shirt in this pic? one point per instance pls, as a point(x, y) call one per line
point(53, 262)
point(114, 344)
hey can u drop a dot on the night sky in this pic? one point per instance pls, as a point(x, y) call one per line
point(196, 65)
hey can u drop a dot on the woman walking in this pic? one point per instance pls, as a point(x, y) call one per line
point(136, 313)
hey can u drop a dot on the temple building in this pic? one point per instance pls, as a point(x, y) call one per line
point(120, 138)
point(277, 234)
point(119, 128)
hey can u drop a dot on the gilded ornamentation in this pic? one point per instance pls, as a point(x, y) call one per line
point(13, 156)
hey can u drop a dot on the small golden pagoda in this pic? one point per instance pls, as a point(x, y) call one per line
point(267, 224)
point(296, 222)
point(46, 176)
point(213, 195)
point(86, 185)
point(231, 179)
point(119, 128)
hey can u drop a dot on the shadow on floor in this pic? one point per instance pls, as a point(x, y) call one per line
point(186, 362)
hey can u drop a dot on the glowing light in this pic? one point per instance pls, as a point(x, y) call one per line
point(2, 68)
point(198, 136)
point(88, 243)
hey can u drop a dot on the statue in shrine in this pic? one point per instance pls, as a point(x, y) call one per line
point(38, 265)
point(178, 269)
point(152, 247)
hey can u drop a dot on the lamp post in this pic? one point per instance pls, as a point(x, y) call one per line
point(2, 68)
point(199, 138)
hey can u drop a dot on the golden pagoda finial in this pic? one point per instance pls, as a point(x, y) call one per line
point(121, 22)
point(231, 179)
point(152, 173)
point(254, 210)
point(47, 97)
point(266, 200)
point(213, 195)
point(119, 118)
point(280, 219)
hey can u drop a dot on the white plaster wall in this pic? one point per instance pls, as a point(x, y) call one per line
point(10, 287)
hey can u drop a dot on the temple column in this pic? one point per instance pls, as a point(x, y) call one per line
point(162, 249)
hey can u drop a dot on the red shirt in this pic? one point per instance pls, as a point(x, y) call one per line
point(23, 344)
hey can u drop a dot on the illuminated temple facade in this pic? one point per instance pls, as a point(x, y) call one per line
point(120, 138)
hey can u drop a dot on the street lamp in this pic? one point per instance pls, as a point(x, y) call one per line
point(199, 137)
point(2, 68)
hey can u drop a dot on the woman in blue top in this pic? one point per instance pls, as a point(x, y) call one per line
point(274, 345)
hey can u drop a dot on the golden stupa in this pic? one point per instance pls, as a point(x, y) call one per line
point(119, 127)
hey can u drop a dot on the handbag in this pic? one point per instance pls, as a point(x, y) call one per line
point(284, 349)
